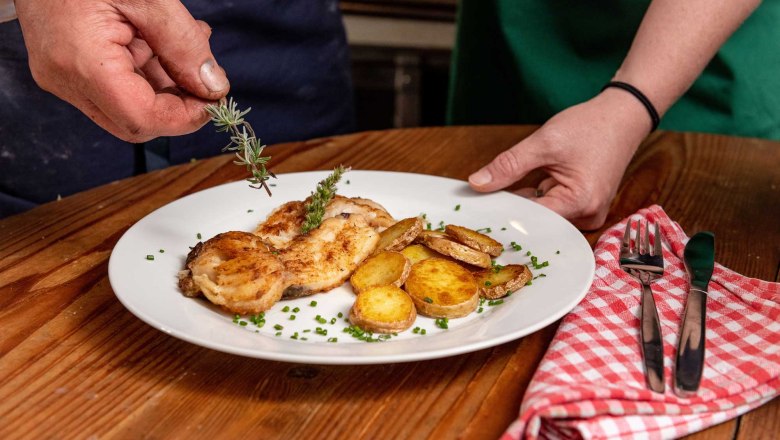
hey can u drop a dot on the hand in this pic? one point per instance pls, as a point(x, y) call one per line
point(584, 149)
point(139, 68)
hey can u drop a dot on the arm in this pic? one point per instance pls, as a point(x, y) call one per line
point(585, 149)
point(138, 68)
point(7, 10)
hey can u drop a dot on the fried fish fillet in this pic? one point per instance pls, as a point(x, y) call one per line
point(285, 222)
point(235, 270)
point(326, 257)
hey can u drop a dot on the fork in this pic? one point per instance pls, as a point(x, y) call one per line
point(646, 266)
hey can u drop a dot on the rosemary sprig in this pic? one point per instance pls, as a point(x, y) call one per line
point(326, 189)
point(248, 149)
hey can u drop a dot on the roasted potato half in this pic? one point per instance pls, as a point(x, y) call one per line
point(400, 235)
point(382, 269)
point(383, 309)
point(442, 289)
point(418, 252)
point(475, 240)
point(459, 251)
point(495, 284)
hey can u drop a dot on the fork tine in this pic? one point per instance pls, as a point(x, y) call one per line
point(658, 251)
point(627, 237)
point(646, 241)
point(637, 237)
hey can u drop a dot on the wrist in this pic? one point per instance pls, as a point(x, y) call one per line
point(626, 110)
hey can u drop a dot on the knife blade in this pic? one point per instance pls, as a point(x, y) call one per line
point(699, 259)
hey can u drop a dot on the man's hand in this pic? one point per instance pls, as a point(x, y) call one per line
point(584, 150)
point(139, 68)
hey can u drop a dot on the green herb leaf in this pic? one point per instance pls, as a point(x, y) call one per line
point(248, 149)
point(315, 207)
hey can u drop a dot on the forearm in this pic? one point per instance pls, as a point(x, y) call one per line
point(7, 10)
point(674, 43)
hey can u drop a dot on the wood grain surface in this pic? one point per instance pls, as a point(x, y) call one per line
point(75, 364)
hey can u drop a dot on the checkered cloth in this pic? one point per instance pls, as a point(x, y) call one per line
point(591, 382)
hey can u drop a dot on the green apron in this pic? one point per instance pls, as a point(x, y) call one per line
point(522, 61)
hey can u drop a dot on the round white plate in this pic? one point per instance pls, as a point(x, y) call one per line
point(148, 288)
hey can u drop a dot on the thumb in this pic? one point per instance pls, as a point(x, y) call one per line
point(506, 169)
point(181, 44)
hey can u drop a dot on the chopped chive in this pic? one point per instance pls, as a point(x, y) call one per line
point(278, 327)
point(333, 339)
point(150, 257)
point(428, 300)
point(423, 331)
point(294, 336)
point(278, 333)
point(162, 251)
point(528, 254)
point(286, 309)
point(296, 310)
point(486, 230)
point(292, 317)
point(457, 207)
point(308, 330)
point(250, 210)
point(242, 323)
point(416, 330)
point(199, 236)
point(313, 304)
point(479, 310)
point(340, 315)
point(442, 323)
point(347, 182)
point(332, 321)
point(488, 283)
point(557, 252)
point(495, 302)
point(516, 246)
point(503, 229)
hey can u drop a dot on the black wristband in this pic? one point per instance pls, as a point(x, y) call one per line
point(640, 96)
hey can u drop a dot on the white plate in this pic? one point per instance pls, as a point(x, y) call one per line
point(148, 288)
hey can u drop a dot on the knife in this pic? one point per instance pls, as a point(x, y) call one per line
point(699, 258)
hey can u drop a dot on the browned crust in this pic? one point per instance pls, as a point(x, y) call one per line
point(459, 251)
point(500, 290)
point(475, 240)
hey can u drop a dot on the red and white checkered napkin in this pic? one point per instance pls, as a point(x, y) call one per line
point(591, 383)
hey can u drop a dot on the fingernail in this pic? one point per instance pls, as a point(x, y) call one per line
point(213, 77)
point(481, 177)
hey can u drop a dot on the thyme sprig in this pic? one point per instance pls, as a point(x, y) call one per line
point(315, 207)
point(248, 149)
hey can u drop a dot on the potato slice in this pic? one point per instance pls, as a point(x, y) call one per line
point(399, 235)
point(425, 233)
point(383, 309)
point(475, 240)
point(495, 283)
point(442, 289)
point(459, 251)
point(382, 269)
point(418, 252)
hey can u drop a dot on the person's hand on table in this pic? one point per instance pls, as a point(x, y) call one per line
point(140, 69)
point(584, 150)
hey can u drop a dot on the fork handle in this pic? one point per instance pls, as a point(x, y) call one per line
point(652, 343)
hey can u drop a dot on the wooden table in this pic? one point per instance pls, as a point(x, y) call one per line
point(74, 363)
